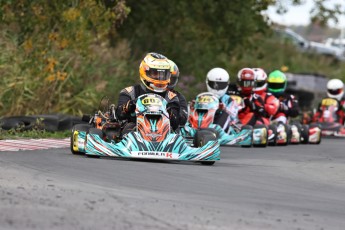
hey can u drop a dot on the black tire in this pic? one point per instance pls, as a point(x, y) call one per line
point(201, 132)
point(304, 134)
point(66, 122)
point(79, 127)
point(201, 138)
point(97, 132)
point(260, 127)
point(212, 130)
point(273, 142)
point(247, 127)
point(18, 122)
point(289, 134)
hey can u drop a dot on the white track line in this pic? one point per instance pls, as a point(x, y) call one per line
point(33, 144)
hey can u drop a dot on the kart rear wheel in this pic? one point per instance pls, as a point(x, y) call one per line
point(299, 130)
point(287, 130)
point(73, 142)
point(316, 126)
point(201, 139)
point(304, 134)
point(97, 132)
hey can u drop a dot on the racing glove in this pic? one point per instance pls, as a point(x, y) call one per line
point(261, 111)
point(130, 106)
point(283, 108)
point(174, 117)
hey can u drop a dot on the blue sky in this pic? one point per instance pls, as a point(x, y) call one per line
point(299, 15)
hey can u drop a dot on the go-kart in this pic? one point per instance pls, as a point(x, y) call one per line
point(328, 119)
point(261, 132)
point(202, 113)
point(152, 138)
point(305, 134)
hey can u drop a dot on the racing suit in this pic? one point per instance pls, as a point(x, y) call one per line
point(183, 107)
point(340, 112)
point(288, 108)
point(271, 103)
point(127, 104)
point(253, 111)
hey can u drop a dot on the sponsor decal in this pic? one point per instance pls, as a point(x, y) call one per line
point(150, 154)
point(153, 135)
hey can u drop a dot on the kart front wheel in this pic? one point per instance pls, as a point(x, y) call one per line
point(201, 139)
point(315, 134)
point(304, 134)
point(74, 138)
point(199, 136)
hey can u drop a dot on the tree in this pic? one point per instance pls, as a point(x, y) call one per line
point(195, 34)
point(322, 12)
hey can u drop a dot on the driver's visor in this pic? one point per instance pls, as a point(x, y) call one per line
point(246, 83)
point(217, 85)
point(260, 83)
point(335, 91)
point(158, 74)
point(276, 85)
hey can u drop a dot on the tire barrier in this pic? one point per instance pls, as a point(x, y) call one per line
point(48, 122)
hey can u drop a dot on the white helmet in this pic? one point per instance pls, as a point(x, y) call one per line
point(335, 89)
point(260, 80)
point(217, 81)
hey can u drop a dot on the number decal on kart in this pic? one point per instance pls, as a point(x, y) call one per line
point(329, 102)
point(205, 99)
point(151, 101)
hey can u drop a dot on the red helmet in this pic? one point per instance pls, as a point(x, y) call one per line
point(246, 80)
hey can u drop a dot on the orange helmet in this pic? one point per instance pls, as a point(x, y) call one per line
point(155, 72)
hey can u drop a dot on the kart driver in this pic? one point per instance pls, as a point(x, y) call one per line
point(217, 82)
point(335, 90)
point(276, 84)
point(154, 72)
point(254, 105)
point(271, 102)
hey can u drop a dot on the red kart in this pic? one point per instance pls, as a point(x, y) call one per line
point(327, 118)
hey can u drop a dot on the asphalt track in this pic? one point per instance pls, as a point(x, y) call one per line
point(293, 187)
